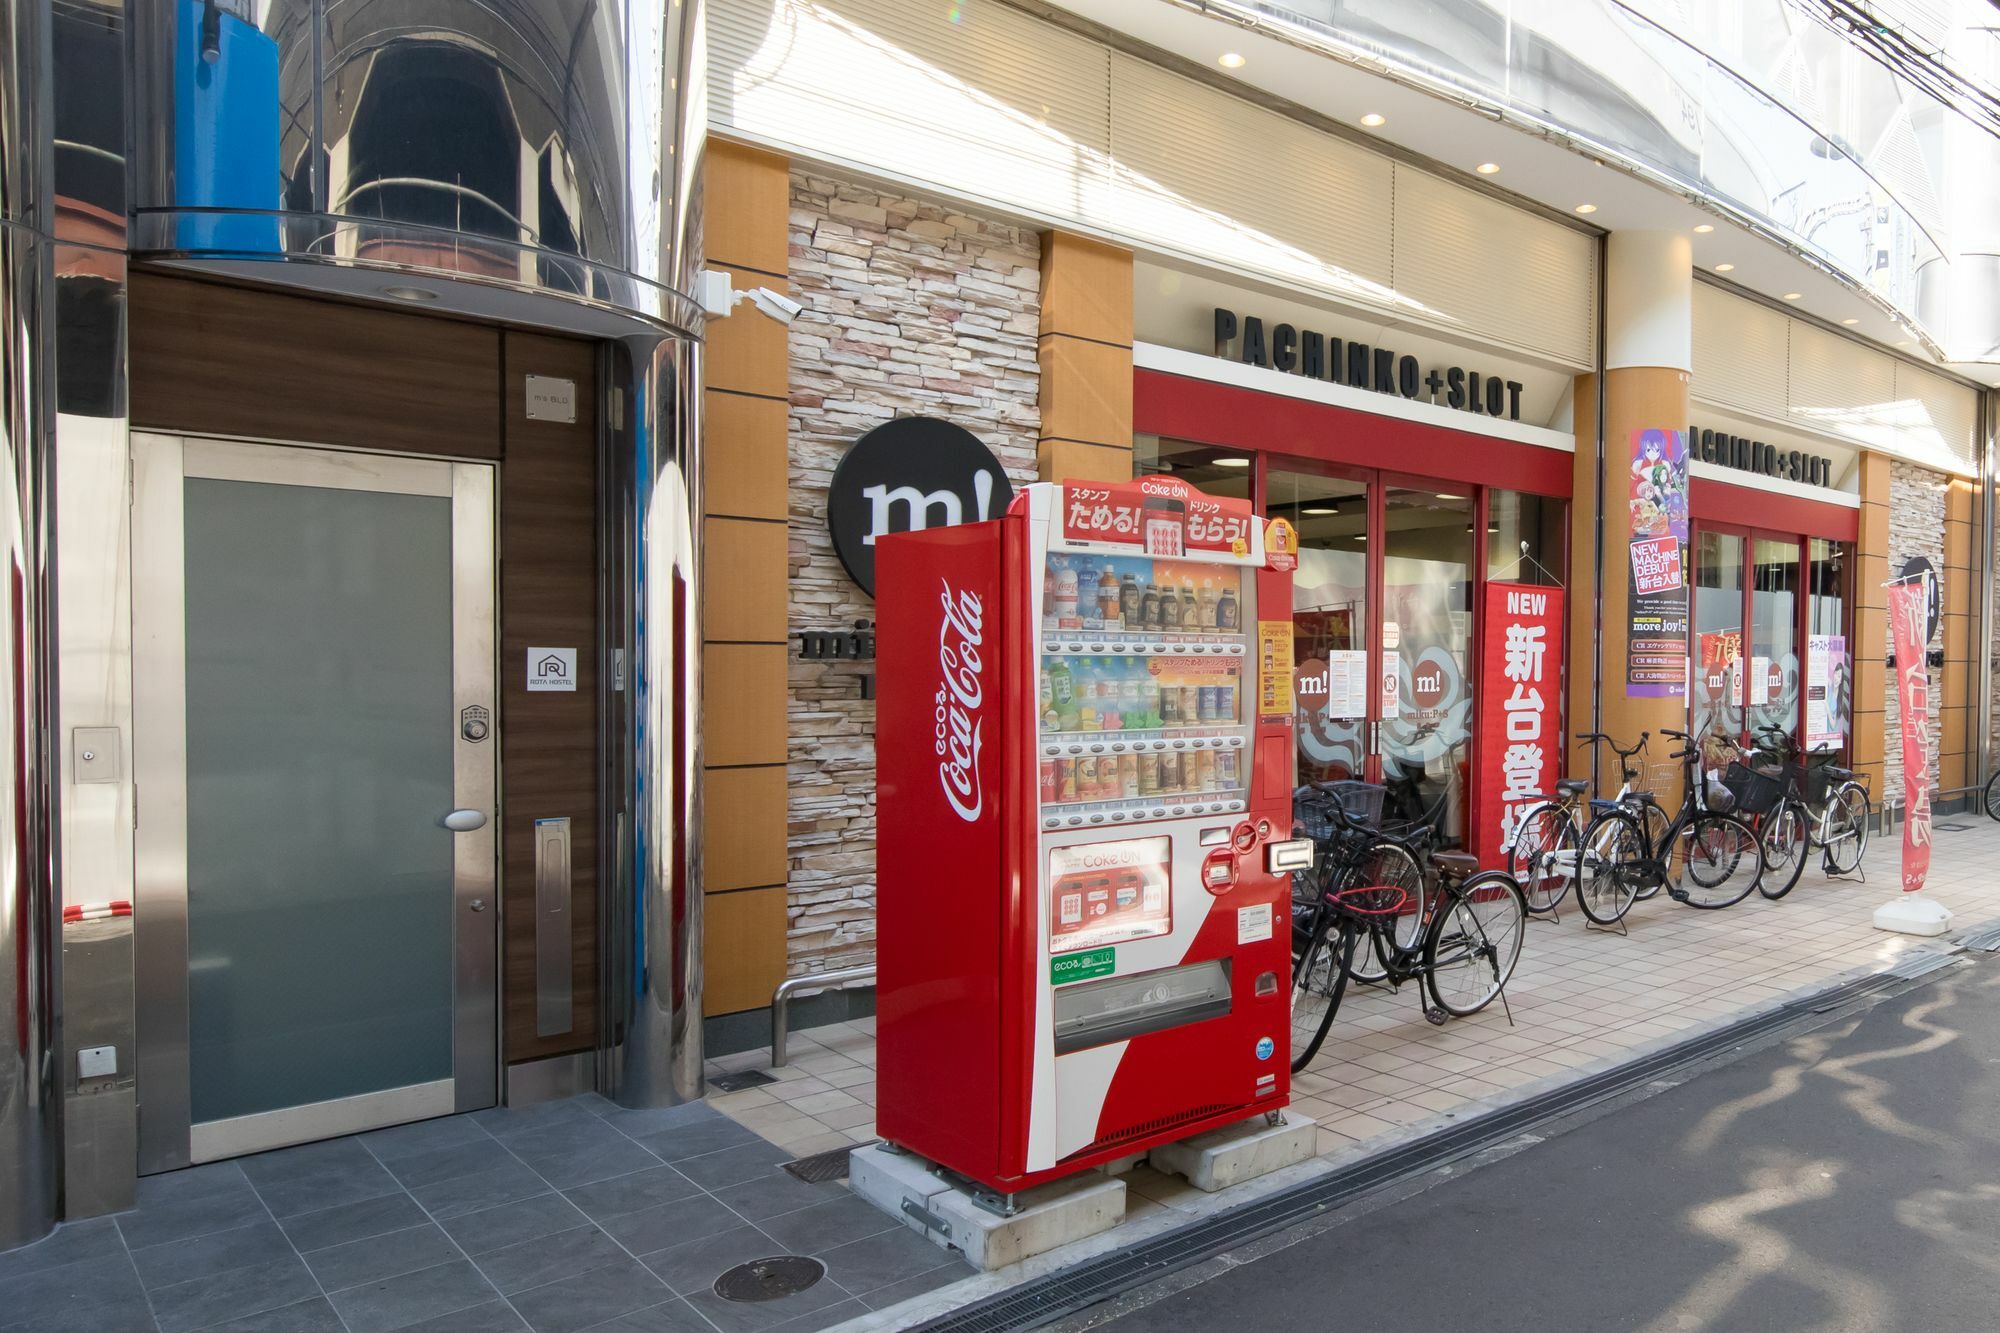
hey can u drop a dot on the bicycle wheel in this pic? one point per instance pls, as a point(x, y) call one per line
point(1318, 980)
point(1656, 824)
point(1609, 866)
point(1472, 947)
point(1783, 844)
point(1720, 861)
point(1992, 801)
point(1387, 864)
point(1846, 829)
point(1542, 855)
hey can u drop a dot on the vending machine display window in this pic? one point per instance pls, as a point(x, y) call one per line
point(1109, 892)
point(1142, 663)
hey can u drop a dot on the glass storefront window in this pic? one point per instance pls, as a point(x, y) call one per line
point(1206, 467)
point(1330, 617)
point(1524, 537)
point(1772, 678)
point(1427, 624)
point(1716, 694)
point(1826, 630)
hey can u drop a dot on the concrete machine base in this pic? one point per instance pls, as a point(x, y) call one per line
point(1239, 1152)
point(944, 1210)
point(947, 1211)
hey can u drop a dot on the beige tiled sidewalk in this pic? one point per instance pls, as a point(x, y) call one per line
point(1582, 999)
point(824, 1097)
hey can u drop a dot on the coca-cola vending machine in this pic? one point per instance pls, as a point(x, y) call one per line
point(1085, 769)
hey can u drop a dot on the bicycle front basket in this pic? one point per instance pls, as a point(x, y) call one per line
point(1756, 793)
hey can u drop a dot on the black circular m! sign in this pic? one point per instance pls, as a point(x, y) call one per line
point(907, 475)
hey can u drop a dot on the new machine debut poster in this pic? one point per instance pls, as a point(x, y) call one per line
point(1520, 727)
point(1656, 648)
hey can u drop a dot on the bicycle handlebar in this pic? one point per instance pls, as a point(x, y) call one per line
point(1616, 749)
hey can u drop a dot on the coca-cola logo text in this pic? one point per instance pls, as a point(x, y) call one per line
point(961, 692)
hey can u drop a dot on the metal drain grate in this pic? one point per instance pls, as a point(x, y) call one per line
point(1986, 941)
point(749, 1078)
point(769, 1279)
point(821, 1166)
point(1043, 1301)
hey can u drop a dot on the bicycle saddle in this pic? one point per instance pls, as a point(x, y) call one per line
point(1455, 865)
point(1572, 786)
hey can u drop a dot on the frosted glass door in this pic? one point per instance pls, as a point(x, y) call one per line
point(319, 760)
point(314, 752)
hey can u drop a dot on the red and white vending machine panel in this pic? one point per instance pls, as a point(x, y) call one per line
point(1085, 770)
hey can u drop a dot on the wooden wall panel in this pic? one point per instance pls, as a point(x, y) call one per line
point(744, 949)
point(746, 370)
point(1086, 360)
point(221, 360)
point(548, 599)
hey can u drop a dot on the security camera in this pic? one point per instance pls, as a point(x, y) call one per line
point(718, 299)
point(775, 305)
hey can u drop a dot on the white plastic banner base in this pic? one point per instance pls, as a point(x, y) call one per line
point(1913, 914)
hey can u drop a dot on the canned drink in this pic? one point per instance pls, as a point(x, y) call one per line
point(1170, 706)
point(1065, 781)
point(1170, 773)
point(1209, 695)
point(1086, 778)
point(1226, 770)
point(1049, 780)
point(1225, 703)
point(1190, 705)
point(1128, 776)
point(1204, 767)
point(1149, 774)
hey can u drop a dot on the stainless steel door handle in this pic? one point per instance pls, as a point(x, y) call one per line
point(464, 821)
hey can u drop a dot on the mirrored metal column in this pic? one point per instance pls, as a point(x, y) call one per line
point(29, 1130)
point(652, 1038)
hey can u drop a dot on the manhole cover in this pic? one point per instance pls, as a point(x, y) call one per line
point(821, 1166)
point(769, 1279)
point(749, 1078)
point(1954, 828)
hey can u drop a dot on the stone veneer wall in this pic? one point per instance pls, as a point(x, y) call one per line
point(911, 308)
point(1916, 527)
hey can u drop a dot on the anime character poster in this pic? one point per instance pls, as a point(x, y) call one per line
point(1656, 497)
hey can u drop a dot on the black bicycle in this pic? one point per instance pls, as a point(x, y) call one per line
point(1467, 952)
point(1706, 858)
point(1465, 949)
point(1354, 845)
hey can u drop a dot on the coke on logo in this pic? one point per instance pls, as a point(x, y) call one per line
point(961, 692)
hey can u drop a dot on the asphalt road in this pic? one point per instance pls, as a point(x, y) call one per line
point(1843, 1179)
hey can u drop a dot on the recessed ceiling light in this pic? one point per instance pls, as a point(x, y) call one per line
point(1791, 296)
point(1487, 168)
point(410, 293)
point(1374, 120)
point(1850, 320)
point(1319, 512)
point(1586, 208)
point(1229, 60)
point(1705, 228)
point(1232, 462)
point(1725, 268)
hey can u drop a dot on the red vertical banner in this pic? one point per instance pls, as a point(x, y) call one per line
point(1908, 626)
point(1520, 710)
